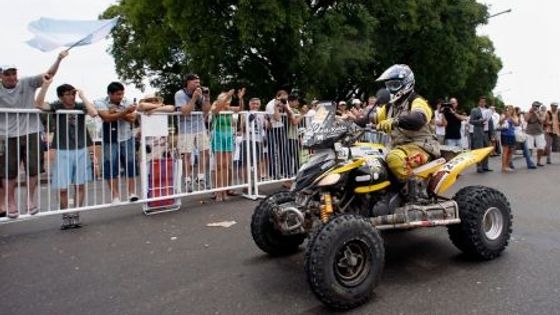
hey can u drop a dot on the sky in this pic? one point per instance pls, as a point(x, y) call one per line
point(527, 40)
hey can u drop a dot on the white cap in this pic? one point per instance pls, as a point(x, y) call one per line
point(356, 101)
point(342, 103)
point(8, 67)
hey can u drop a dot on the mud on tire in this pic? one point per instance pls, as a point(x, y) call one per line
point(486, 222)
point(345, 262)
point(265, 234)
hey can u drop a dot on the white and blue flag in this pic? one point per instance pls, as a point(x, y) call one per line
point(52, 33)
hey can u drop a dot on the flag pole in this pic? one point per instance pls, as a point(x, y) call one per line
point(88, 35)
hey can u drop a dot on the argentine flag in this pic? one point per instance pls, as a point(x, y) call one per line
point(52, 33)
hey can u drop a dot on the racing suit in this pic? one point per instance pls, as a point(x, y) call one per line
point(414, 141)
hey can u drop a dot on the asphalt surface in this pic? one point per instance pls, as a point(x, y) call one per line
point(122, 262)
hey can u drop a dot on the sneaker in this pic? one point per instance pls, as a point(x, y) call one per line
point(65, 222)
point(201, 182)
point(116, 200)
point(188, 184)
point(133, 198)
point(75, 220)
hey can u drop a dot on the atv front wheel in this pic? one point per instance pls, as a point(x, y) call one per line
point(345, 262)
point(263, 229)
point(486, 222)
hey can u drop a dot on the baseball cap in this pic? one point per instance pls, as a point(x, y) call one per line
point(554, 104)
point(356, 101)
point(342, 103)
point(313, 102)
point(7, 67)
point(536, 103)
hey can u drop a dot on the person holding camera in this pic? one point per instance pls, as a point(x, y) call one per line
point(256, 123)
point(452, 121)
point(535, 119)
point(21, 133)
point(119, 146)
point(276, 134)
point(192, 101)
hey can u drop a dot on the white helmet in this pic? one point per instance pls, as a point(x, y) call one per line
point(399, 80)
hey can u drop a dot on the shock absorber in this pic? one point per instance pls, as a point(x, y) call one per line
point(326, 207)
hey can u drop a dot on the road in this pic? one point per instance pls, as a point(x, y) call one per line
point(123, 262)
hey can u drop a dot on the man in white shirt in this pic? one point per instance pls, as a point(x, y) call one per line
point(276, 134)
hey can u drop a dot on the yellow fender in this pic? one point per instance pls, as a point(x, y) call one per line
point(447, 175)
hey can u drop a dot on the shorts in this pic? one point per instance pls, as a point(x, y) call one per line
point(508, 140)
point(246, 145)
point(187, 142)
point(115, 152)
point(23, 148)
point(536, 141)
point(71, 167)
point(222, 141)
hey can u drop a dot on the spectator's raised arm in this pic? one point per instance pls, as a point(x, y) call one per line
point(40, 99)
point(54, 68)
point(90, 108)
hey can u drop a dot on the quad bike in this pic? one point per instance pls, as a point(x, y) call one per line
point(345, 194)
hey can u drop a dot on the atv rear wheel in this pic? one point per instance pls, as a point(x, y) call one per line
point(263, 229)
point(486, 222)
point(345, 262)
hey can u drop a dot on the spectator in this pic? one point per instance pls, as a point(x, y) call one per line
point(507, 122)
point(222, 140)
point(294, 119)
point(439, 122)
point(357, 104)
point(311, 112)
point(496, 142)
point(535, 133)
point(521, 129)
point(452, 121)
point(71, 141)
point(479, 119)
point(465, 132)
point(552, 126)
point(276, 134)
point(118, 115)
point(193, 134)
point(22, 136)
point(342, 109)
point(256, 125)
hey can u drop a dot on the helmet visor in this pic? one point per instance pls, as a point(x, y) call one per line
point(393, 85)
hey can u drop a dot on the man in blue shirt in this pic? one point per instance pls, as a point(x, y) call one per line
point(118, 116)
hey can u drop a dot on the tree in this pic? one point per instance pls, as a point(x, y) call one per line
point(327, 49)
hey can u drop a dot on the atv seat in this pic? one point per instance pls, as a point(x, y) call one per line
point(449, 152)
point(428, 169)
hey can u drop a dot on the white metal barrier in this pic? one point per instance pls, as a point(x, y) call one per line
point(63, 162)
point(280, 152)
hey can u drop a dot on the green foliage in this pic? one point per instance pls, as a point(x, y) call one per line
point(327, 49)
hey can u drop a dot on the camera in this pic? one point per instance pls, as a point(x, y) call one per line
point(446, 106)
point(205, 90)
point(284, 101)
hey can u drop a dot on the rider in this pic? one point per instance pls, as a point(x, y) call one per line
point(407, 118)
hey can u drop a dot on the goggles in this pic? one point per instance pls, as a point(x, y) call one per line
point(393, 85)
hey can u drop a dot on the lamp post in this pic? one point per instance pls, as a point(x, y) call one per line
point(499, 13)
